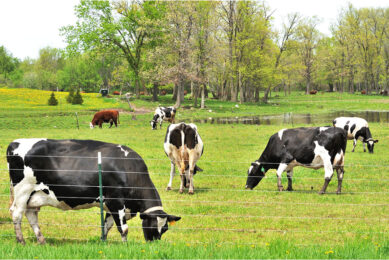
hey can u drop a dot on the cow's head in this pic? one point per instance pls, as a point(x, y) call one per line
point(153, 124)
point(255, 174)
point(91, 125)
point(370, 144)
point(155, 223)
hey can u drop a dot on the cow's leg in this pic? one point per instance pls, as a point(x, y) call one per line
point(328, 172)
point(115, 122)
point(290, 175)
point(110, 123)
point(364, 147)
point(354, 143)
point(101, 124)
point(182, 175)
point(32, 217)
point(172, 173)
point(17, 215)
point(108, 223)
point(281, 168)
point(340, 172)
point(118, 212)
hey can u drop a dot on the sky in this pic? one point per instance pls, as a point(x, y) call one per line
point(26, 26)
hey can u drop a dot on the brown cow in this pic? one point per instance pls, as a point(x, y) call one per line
point(363, 92)
point(105, 116)
point(313, 92)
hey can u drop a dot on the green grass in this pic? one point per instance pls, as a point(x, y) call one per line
point(221, 220)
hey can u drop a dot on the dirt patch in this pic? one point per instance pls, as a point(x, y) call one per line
point(137, 111)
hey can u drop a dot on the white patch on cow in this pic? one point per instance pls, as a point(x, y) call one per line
point(281, 168)
point(124, 151)
point(91, 125)
point(122, 215)
point(25, 145)
point(280, 133)
point(251, 168)
point(323, 128)
point(338, 160)
point(153, 209)
point(322, 158)
point(257, 163)
point(161, 222)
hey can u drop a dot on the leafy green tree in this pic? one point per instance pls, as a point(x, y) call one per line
point(122, 27)
point(52, 100)
point(7, 62)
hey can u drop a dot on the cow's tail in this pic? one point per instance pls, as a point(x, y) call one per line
point(118, 118)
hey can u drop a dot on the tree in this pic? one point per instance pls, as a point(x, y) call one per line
point(77, 99)
point(308, 37)
point(52, 100)
point(121, 27)
point(7, 62)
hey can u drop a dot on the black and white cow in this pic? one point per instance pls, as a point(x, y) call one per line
point(163, 113)
point(184, 147)
point(314, 147)
point(63, 174)
point(357, 128)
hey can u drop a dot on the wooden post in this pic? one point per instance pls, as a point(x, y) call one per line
point(101, 196)
point(78, 126)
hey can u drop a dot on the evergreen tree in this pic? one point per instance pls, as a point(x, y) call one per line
point(52, 100)
point(70, 97)
point(77, 99)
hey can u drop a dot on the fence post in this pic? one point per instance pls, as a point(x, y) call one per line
point(101, 196)
point(78, 126)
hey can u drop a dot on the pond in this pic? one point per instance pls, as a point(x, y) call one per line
point(292, 118)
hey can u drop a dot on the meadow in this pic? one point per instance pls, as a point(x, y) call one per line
point(222, 219)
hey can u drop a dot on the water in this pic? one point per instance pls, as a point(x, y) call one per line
point(292, 118)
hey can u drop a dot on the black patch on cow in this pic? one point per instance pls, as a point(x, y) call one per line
point(348, 122)
point(190, 137)
point(175, 137)
point(16, 164)
point(346, 127)
point(352, 128)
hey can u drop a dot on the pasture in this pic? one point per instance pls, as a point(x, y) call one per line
point(222, 219)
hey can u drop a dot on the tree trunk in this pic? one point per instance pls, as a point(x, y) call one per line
point(256, 95)
point(266, 94)
point(175, 92)
point(203, 96)
point(155, 92)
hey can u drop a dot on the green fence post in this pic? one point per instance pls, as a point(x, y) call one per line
point(101, 196)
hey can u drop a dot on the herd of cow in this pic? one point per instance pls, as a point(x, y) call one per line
point(62, 173)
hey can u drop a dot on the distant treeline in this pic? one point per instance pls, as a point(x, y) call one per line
point(228, 48)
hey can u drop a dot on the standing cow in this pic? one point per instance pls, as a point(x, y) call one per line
point(63, 174)
point(315, 148)
point(105, 116)
point(357, 128)
point(183, 145)
point(163, 113)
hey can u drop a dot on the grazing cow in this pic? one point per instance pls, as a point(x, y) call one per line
point(357, 128)
point(183, 145)
point(105, 116)
point(163, 113)
point(363, 92)
point(314, 147)
point(63, 174)
point(313, 92)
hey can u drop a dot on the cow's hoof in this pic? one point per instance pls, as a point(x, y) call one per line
point(191, 192)
point(338, 192)
point(42, 241)
point(280, 188)
point(321, 192)
point(187, 186)
point(181, 191)
point(21, 241)
point(169, 188)
point(289, 189)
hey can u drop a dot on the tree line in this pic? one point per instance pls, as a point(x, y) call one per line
point(229, 50)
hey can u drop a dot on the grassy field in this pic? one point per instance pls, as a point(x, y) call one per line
point(222, 219)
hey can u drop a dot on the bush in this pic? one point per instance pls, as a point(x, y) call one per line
point(52, 100)
point(70, 97)
point(77, 99)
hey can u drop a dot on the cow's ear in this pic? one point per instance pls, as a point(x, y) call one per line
point(375, 141)
point(172, 218)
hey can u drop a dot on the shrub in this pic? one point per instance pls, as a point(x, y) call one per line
point(52, 100)
point(77, 99)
